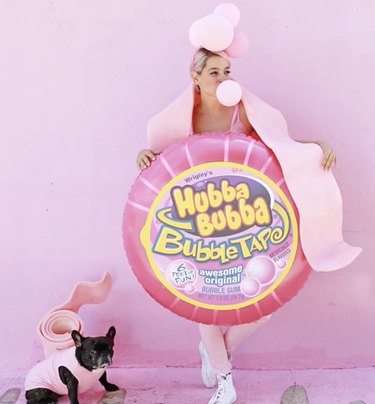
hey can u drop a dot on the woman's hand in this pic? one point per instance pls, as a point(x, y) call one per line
point(144, 158)
point(329, 157)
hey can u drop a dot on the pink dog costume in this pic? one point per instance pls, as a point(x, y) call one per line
point(45, 374)
point(55, 329)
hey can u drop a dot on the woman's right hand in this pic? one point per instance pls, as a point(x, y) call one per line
point(144, 158)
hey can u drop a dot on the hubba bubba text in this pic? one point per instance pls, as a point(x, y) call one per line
point(217, 209)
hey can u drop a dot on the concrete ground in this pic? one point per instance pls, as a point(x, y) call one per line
point(183, 386)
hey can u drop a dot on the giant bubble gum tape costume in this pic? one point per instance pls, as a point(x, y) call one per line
point(55, 327)
point(314, 191)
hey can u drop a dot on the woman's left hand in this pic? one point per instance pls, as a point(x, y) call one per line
point(329, 157)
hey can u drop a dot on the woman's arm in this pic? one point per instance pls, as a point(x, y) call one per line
point(245, 122)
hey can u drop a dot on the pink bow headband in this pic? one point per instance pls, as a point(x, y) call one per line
point(216, 32)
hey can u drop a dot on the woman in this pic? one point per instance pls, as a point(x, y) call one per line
point(208, 70)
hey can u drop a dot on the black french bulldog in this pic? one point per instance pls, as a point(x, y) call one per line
point(90, 357)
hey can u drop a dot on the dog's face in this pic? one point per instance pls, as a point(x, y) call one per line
point(94, 352)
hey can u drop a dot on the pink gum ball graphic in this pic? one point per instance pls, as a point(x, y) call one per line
point(261, 268)
point(189, 288)
point(250, 287)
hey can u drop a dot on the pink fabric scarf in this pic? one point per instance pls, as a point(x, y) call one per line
point(314, 191)
point(55, 327)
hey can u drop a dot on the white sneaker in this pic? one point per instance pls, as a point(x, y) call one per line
point(225, 393)
point(207, 372)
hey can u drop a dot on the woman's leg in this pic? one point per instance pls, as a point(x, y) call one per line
point(220, 347)
point(213, 340)
point(214, 343)
point(238, 333)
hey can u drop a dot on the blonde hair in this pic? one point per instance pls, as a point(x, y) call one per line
point(200, 59)
point(199, 62)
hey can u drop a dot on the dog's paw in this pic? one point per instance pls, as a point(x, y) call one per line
point(111, 387)
point(114, 397)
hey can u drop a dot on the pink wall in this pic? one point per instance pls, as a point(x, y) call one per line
point(78, 82)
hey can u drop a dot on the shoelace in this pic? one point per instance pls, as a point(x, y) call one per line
point(220, 390)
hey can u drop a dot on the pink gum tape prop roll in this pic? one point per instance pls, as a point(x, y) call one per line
point(55, 327)
point(214, 231)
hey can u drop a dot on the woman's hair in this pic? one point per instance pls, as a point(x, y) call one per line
point(200, 59)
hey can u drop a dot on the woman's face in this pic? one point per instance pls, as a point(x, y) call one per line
point(217, 69)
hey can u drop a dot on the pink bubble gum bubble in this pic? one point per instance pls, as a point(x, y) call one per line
point(239, 45)
point(261, 268)
point(214, 33)
point(250, 286)
point(229, 93)
point(229, 11)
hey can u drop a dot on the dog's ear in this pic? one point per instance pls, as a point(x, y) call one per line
point(77, 338)
point(111, 332)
